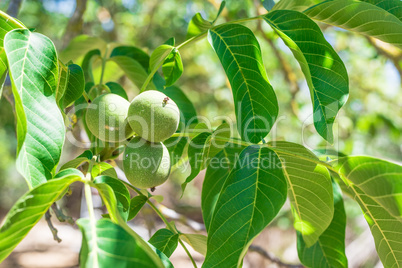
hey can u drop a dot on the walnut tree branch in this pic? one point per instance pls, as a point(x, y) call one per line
point(74, 26)
point(271, 258)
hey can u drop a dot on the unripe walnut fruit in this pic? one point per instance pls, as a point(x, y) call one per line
point(106, 118)
point(153, 116)
point(146, 164)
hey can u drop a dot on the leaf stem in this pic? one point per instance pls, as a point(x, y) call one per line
point(163, 218)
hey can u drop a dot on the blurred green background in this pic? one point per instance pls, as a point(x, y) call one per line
point(369, 124)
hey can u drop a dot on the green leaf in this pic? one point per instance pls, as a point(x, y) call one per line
point(197, 241)
point(40, 127)
point(268, 4)
point(376, 185)
point(379, 179)
point(171, 41)
point(297, 5)
point(309, 189)
point(165, 240)
point(329, 250)
point(392, 6)
point(324, 70)
point(175, 146)
point(256, 106)
point(197, 26)
point(117, 89)
point(103, 168)
point(135, 205)
point(132, 52)
point(78, 161)
point(3, 69)
point(75, 86)
point(29, 209)
point(88, 62)
point(121, 192)
point(250, 198)
point(172, 68)
point(203, 147)
point(159, 55)
point(81, 45)
point(7, 24)
point(218, 170)
point(133, 70)
point(106, 244)
point(158, 259)
point(360, 17)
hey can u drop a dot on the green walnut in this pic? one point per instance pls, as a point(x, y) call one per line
point(106, 118)
point(153, 116)
point(146, 164)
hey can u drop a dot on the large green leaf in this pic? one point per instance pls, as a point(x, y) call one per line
point(7, 24)
point(29, 209)
point(360, 17)
point(250, 198)
point(309, 190)
point(324, 70)
point(40, 127)
point(329, 250)
point(165, 240)
point(133, 69)
point(106, 244)
point(376, 185)
point(217, 171)
point(256, 106)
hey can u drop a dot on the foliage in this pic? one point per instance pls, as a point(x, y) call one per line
point(247, 180)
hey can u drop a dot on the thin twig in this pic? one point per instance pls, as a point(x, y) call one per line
point(51, 227)
point(271, 258)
